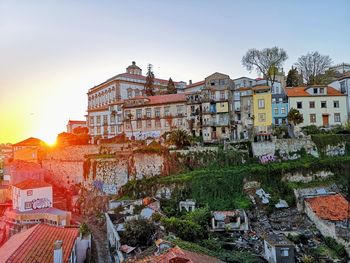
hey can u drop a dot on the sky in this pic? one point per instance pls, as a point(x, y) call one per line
point(52, 52)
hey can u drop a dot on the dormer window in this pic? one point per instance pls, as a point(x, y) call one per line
point(315, 91)
point(321, 90)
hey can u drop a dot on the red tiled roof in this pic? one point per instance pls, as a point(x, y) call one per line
point(30, 142)
point(195, 84)
point(301, 92)
point(331, 207)
point(159, 99)
point(37, 244)
point(31, 184)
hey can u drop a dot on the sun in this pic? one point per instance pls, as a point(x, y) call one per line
point(49, 140)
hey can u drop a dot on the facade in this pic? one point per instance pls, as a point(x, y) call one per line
point(278, 249)
point(154, 115)
point(41, 244)
point(319, 105)
point(280, 108)
point(30, 150)
point(262, 110)
point(343, 85)
point(32, 204)
point(104, 114)
point(216, 98)
point(71, 125)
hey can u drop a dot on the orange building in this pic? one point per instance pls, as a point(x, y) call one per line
point(30, 150)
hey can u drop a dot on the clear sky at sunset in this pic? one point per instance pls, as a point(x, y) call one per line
point(52, 52)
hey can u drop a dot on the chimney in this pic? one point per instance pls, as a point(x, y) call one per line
point(57, 252)
point(190, 82)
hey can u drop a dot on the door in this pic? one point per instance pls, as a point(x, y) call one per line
point(325, 119)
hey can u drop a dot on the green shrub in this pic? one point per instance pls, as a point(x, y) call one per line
point(338, 248)
point(184, 229)
point(138, 232)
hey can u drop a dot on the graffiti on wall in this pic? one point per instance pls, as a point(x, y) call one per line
point(267, 158)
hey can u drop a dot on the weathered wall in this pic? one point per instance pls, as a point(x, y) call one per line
point(306, 177)
point(72, 153)
point(19, 171)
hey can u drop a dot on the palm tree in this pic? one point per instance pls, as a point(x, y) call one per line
point(294, 118)
point(180, 138)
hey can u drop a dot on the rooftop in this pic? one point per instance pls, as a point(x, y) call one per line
point(199, 83)
point(30, 142)
point(159, 99)
point(76, 122)
point(330, 207)
point(31, 184)
point(36, 244)
point(301, 91)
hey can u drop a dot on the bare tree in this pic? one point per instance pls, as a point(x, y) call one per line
point(312, 65)
point(265, 61)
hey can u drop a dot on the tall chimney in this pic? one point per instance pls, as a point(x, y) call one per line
point(57, 252)
point(190, 81)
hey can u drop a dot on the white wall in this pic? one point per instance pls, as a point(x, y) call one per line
point(20, 197)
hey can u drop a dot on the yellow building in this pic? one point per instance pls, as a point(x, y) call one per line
point(262, 110)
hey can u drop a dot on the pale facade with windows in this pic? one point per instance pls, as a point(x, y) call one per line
point(104, 117)
point(153, 116)
point(319, 105)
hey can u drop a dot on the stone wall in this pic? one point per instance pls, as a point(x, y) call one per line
point(306, 177)
point(286, 148)
point(72, 153)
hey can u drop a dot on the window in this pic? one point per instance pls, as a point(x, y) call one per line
point(336, 117)
point(112, 129)
point(158, 124)
point(138, 124)
point(342, 87)
point(29, 192)
point(92, 120)
point(222, 95)
point(127, 114)
point(299, 105)
point(284, 252)
point(283, 110)
point(105, 119)
point(129, 93)
point(276, 111)
point(119, 118)
point(273, 100)
point(336, 104)
point(148, 113)
point(27, 205)
point(261, 103)
point(312, 104)
point(149, 124)
point(137, 92)
point(179, 122)
point(212, 95)
point(262, 117)
point(321, 90)
point(312, 118)
point(315, 91)
point(112, 118)
point(98, 130)
point(98, 119)
point(127, 126)
point(180, 109)
point(323, 104)
point(157, 112)
point(166, 111)
point(138, 113)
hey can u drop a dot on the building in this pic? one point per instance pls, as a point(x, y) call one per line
point(236, 220)
point(194, 96)
point(243, 113)
point(278, 249)
point(104, 115)
point(71, 125)
point(280, 107)
point(113, 239)
point(331, 215)
point(262, 111)
point(43, 243)
point(154, 115)
point(319, 105)
point(30, 150)
point(216, 114)
point(341, 68)
point(32, 204)
point(342, 84)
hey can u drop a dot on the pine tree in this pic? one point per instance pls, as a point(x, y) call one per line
point(293, 78)
point(171, 89)
point(149, 85)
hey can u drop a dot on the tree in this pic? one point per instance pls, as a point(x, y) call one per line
point(327, 77)
point(294, 118)
point(293, 78)
point(265, 61)
point(312, 65)
point(171, 89)
point(138, 232)
point(180, 138)
point(149, 85)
